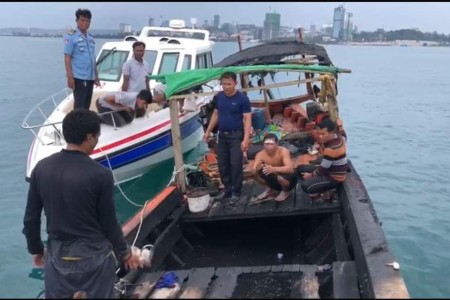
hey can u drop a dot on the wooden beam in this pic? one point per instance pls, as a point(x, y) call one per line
point(269, 86)
point(176, 142)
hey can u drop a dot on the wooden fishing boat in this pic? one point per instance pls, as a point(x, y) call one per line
point(291, 249)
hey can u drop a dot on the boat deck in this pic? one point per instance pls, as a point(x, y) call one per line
point(283, 281)
point(298, 203)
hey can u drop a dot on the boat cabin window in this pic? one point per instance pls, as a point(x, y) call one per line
point(110, 64)
point(150, 58)
point(169, 63)
point(186, 62)
point(204, 61)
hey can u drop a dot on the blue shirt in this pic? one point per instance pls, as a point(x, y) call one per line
point(231, 110)
point(82, 50)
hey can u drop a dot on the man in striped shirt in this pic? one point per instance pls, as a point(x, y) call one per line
point(332, 170)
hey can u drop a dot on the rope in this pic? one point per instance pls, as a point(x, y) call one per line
point(115, 180)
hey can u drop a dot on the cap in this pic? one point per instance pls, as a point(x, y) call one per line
point(159, 88)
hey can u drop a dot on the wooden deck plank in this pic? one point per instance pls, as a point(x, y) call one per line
point(224, 284)
point(147, 283)
point(197, 284)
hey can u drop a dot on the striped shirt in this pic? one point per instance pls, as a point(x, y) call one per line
point(334, 159)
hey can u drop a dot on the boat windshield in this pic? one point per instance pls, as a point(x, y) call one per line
point(111, 62)
point(110, 66)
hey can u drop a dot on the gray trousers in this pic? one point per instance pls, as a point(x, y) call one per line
point(94, 275)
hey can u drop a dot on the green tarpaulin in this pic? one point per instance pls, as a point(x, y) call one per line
point(181, 81)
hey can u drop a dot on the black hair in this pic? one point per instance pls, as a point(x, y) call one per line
point(145, 95)
point(78, 123)
point(137, 44)
point(328, 124)
point(271, 136)
point(83, 12)
point(231, 75)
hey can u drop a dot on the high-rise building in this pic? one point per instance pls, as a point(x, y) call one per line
point(338, 23)
point(348, 32)
point(272, 26)
point(151, 21)
point(216, 21)
point(124, 28)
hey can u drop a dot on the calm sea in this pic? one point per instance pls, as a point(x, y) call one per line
point(396, 111)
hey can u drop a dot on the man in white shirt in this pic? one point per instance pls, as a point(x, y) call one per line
point(135, 70)
point(122, 106)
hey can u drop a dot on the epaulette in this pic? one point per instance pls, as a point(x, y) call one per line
point(71, 31)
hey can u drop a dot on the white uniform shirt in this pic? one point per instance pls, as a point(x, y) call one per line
point(124, 98)
point(137, 72)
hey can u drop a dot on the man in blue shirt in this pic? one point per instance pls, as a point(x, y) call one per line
point(232, 114)
point(79, 59)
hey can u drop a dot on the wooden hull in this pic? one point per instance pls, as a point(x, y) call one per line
point(303, 249)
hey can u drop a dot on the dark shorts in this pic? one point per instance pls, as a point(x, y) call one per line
point(272, 181)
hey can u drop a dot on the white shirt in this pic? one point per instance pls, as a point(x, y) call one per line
point(124, 98)
point(137, 72)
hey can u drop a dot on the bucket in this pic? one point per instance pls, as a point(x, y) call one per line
point(198, 199)
point(258, 119)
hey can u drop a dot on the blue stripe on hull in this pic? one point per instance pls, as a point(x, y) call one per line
point(149, 147)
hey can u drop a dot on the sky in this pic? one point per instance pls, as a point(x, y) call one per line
point(427, 17)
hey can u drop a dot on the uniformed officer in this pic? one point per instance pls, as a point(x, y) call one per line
point(79, 59)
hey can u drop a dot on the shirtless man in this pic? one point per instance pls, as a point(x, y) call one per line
point(274, 169)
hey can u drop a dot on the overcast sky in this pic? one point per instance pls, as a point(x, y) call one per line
point(427, 17)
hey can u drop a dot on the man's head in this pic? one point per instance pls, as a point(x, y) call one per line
point(81, 127)
point(83, 19)
point(270, 142)
point(143, 98)
point(228, 80)
point(325, 131)
point(138, 50)
point(159, 92)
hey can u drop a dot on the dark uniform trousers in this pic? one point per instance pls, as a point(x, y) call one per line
point(230, 160)
point(82, 93)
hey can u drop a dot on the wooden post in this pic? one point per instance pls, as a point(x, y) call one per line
point(176, 142)
point(243, 77)
point(266, 101)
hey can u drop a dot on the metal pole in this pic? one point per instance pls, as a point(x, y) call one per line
point(176, 142)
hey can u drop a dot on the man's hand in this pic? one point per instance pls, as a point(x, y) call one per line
point(38, 259)
point(244, 145)
point(339, 122)
point(268, 169)
point(206, 137)
point(97, 82)
point(133, 261)
point(70, 82)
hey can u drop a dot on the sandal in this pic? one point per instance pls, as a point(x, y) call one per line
point(282, 196)
point(264, 196)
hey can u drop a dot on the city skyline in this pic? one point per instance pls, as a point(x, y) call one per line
point(366, 16)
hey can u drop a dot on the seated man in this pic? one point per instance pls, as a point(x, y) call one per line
point(332, 170)
point(159, 98)
point(273, 168)
point(123, 106)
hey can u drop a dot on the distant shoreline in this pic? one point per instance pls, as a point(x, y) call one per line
point(367, 44)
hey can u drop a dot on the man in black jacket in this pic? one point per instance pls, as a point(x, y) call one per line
point(84, 237)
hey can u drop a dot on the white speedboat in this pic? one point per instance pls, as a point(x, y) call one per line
point(130, 150)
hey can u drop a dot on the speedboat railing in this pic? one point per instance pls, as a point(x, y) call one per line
point(42, 112)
